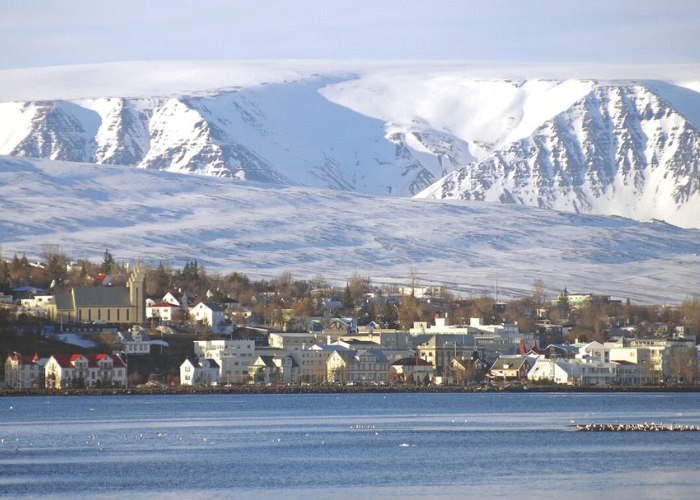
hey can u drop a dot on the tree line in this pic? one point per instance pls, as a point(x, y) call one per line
point(272, 300)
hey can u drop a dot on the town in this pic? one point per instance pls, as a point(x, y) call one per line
point(67, 324)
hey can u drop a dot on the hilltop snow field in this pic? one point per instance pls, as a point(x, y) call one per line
point(263, 230)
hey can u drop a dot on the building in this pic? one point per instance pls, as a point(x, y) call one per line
point(292, 341)
point(23, 372)
point(199, 372)
point(165, 312)
point(510, 368)
point(108, 304)
point(555, 370)
point(136, 342)
point(84, 370)
point(233, 357)
point(277, 369)
point(311, 364)
point(413, 370)
point(179, 299)
point(358, 367)
point(208, 312)
point(440, 350)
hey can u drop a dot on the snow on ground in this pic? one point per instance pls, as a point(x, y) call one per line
point(75, 339)
point(263, 230)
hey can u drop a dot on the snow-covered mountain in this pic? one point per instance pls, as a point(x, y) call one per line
point(621, 149)
point(263, 230)
point(605, 144)
point(278, 133)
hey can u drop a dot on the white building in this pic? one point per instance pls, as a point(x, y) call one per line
point(199, 372)
point(90, 370)
point(208, 312)
point(279, 369)
point(293, 341)
point(311, 364)
point(558, 371)
point(22, 372)
point(136, 342)
point(163, 311)
point(233, 357)
point(179, 299)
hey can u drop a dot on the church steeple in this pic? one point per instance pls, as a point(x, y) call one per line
point(137, 291)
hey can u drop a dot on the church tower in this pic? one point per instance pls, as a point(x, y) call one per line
point(137, 292)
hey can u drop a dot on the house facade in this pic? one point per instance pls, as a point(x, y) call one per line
point(412, 370)
point(179, 299)
point(558, 371)
point(200, 372)
point(358, 367)
point(232, 356)
point(277, 369)
point(510, 368)
point(136, 342)
point(23, 372)
point(84, 370)
point(164, 312)
point(209, 312)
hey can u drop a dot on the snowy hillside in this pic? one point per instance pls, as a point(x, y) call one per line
point(262, 230)
point(589, 139)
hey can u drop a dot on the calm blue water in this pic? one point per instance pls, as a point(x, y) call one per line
point(347, 446)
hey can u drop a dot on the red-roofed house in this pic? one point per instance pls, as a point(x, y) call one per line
point(84, 370)
point(179, 299)
point(164, 311)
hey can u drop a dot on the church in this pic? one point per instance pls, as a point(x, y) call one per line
point(108, 304)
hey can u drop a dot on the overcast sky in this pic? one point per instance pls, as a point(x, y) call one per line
point(49, 32)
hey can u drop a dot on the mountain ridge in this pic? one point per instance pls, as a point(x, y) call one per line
point(398, 129)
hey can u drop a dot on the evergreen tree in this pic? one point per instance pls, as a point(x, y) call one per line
point(161, 280)
point(563, 301)
point(5, 280)
point(107, 263)
point(347, 302)
point(83, 270)
point(56, 269)
point(389, 315)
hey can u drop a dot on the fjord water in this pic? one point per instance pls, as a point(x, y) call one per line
point(347, 446)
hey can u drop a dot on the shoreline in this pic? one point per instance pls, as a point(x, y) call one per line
point(253, 389)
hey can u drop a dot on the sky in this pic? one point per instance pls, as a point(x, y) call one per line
point(37, 33)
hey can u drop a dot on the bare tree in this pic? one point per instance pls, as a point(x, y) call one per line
point(684, 364)
point(539, 293)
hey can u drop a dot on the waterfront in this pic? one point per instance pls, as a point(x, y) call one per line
point(347, 446)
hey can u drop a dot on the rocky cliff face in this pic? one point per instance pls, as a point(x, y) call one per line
point(620, 150)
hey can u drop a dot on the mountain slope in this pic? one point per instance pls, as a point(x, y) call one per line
point(620, 150)
point(283, 134)
point(264, 230)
